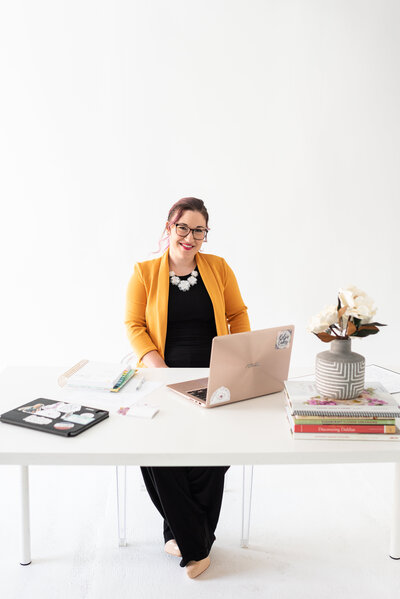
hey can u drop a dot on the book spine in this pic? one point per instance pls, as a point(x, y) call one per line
point(344, 437)
point(347, 421)
point(342, 428)
point(343, 414)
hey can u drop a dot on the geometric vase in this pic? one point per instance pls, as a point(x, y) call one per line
point(339, 372)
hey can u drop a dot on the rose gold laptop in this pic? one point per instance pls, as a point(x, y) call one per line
point(242, 366)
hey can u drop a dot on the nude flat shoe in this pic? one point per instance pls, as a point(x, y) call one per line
point(172, 548)
point(194, 568)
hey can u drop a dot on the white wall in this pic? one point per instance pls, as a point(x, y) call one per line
point(282, 116)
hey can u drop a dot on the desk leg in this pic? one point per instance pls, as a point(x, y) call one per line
point(121, 504)
point(246, 504)
point(395, 528)
point(25, 524)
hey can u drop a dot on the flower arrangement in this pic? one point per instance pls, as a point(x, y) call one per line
point(350, 318)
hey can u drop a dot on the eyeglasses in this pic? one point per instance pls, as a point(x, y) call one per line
point(199, 233)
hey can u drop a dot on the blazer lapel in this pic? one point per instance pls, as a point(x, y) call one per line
point(215, 293)
point(162, 299)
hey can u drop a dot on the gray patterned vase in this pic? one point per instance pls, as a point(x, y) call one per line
point(340, 373)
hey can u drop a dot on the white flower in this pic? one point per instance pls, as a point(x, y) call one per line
point(194, 273)
point(347, 296)
point(192, 280)
point(321, 321)
point(184, 285)
point(358, 304)
point(175, 280)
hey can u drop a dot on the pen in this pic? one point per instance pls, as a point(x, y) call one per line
point(139, 384)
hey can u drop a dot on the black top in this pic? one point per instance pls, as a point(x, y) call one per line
point(191, 326)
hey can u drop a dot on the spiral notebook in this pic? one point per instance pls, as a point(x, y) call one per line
point(374, 400)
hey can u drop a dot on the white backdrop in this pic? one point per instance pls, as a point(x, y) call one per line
point(282, 116)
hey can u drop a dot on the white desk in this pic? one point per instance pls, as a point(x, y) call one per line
point(245, 433)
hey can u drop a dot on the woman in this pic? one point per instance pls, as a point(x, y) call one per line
point(176, 304)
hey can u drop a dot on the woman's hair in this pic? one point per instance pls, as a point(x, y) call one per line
point(175, 214)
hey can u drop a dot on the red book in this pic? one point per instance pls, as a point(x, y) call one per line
point(344, 428)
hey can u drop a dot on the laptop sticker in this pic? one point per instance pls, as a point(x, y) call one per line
point(221, 395)
point(55, 405)
point(63, 426)
point(79, 418)
point(283, 339)
point(68, 407)
point(32, 409)
point(49, 413)
point(37, 419)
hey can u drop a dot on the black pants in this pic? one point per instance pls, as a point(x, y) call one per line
point(189, 499)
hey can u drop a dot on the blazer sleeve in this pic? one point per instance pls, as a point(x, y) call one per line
point(135, 315)
point(236, 311)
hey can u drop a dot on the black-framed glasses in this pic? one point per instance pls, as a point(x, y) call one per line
point(199, 233)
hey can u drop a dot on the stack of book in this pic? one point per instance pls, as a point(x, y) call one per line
point(370, 416)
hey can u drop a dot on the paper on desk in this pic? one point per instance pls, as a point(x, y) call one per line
point(389, 378)
point(139, 411)
point(106, 400)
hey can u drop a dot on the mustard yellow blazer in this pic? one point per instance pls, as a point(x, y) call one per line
point(147, 301)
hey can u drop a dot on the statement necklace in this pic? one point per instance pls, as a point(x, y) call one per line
point(187, 283)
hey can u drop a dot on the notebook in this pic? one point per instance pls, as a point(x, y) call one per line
point(374, 400)
point(57, 417)
point(96, 375)
point(242, 366)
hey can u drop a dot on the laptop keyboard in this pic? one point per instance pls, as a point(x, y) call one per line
point(199, 393)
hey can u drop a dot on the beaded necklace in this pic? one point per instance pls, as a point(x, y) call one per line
point(186, 284)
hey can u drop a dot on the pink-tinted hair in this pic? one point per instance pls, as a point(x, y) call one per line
point(175, 214)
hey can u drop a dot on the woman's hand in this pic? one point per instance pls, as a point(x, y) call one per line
point(153, 360)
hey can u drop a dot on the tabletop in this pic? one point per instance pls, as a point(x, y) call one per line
point(250, 432)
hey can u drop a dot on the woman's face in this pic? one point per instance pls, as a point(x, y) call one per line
point(182, 245)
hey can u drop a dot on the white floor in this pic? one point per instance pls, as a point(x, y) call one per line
point(316, 532)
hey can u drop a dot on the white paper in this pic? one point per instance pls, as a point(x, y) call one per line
point(142, 411)
point(389, 379)
point(107, 400)
point(306, 377)
point(98, 375)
